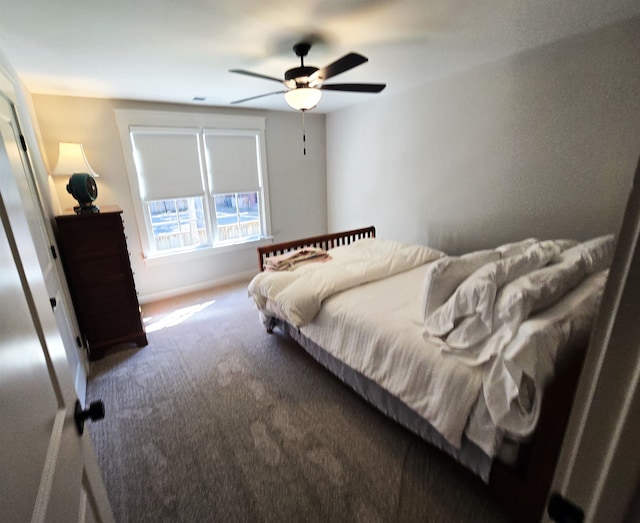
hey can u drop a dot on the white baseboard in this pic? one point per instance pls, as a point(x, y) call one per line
point(179, 291)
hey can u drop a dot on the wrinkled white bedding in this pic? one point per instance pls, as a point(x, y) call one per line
point(376, 318)
point(297, 296)
point(361, 308)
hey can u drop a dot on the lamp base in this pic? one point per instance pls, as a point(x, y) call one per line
point(86, 209)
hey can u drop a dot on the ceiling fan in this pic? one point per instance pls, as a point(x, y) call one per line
point(304, 84)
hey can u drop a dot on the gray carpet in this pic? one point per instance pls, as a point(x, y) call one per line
point(215, 420)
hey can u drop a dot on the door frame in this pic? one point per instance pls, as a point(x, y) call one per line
point(599, 466)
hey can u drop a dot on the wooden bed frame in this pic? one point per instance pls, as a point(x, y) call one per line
point(324, 241)
point(523, 487)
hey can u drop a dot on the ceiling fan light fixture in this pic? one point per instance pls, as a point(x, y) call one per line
point(304, 83)
point(303, 98)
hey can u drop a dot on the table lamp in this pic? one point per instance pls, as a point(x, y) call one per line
point(82, 185)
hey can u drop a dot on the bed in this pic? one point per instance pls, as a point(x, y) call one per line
point(478, 354)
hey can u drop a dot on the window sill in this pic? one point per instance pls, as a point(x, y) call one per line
point(178, 257)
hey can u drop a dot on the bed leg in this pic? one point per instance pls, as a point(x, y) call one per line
point(270, 325)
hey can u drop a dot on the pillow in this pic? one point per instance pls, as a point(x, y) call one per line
point(375, 248)
point(472, 302)
point(515, 248)
point(596, 253)
point(445, 274)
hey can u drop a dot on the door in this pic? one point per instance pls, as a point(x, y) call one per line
point(42, 235)
point(48, 472)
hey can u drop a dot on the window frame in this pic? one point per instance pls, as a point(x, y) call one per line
point(128, 119)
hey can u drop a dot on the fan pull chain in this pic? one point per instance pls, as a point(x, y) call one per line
point(304, 135)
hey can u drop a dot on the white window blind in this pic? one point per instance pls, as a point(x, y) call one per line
point(232, 161)
point(190, 174)
point(167, 162)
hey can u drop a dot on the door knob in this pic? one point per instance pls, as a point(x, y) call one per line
point(95, 412)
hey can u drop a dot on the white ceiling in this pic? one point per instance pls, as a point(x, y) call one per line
point(175, 50)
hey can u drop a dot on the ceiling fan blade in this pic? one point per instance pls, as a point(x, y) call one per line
point(348, 61)
point(357, 88)
point(258, 96)
point(257, 75)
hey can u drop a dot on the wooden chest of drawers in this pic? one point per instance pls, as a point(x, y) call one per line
point(96, 262)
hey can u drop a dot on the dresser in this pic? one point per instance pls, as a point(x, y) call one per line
point(93, 249)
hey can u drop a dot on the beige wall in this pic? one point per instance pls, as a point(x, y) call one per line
point(544, 144)
point(297, 184)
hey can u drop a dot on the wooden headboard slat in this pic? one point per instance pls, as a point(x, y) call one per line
point(324, 241)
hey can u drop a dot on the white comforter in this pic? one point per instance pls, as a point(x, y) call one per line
point(378, 319)
point(478, 391)
point(297, 296)
point(377, 316)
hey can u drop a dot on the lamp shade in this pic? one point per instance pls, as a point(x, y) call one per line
point(303, 98)
point(71, 160)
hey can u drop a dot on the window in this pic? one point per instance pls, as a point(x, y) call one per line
point(198, 186)
point(177, 224)
point(237, 216)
